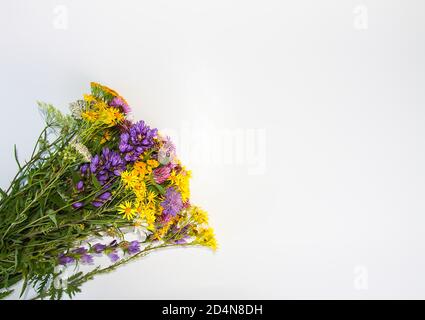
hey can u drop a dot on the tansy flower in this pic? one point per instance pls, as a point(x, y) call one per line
point(127, 210)
point(90, 116)
point(106, 137)
point(181, 181)
point(151, 197)
point(111, 116)
point(140, 190)
point(89, 98)
point(199, 216)
point(152, 164)
point(140, 168)
point(206, 238)
point(129, 179)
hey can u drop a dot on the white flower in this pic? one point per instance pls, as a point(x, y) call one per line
point(76, 109)
point(82, 149)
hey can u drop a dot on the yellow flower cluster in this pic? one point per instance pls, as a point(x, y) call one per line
point(105, 89)
point(198, 215)
point(181, 182)
point(206, 238)
point(145, 205)
point(100, 111)
point(159, 234)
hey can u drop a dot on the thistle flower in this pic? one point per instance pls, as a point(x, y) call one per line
point(172, 203)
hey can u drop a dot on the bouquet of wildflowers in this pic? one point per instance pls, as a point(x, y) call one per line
point(94, 180)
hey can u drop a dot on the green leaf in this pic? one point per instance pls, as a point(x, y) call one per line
point(52, 216)
point(4, 294)
point(15, 152)
point(2, 194)
point(95, 182)
point(57, 199)
point(159, 187)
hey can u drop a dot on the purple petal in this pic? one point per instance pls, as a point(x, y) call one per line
point(80, 185)
point(98, 247)
point(86, 258)
point(97, 204)
point(78, 205)
point(105, 196)
point(113, 256)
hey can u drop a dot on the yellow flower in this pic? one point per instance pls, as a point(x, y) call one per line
point(147, 215)
point(129, 179)
point(206, 238)
point(89, 98)
point(151, 198)
point(139, 190)
point(105, 89)
point(127, 210)
point(110, 116)
point(152, 164)
point(199, 216)
point(140, 168)
point(159, 234)
point(90, 116)
point(106, 137)
point(181, 181)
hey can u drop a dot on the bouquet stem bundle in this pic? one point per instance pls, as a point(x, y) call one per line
point(93, 175)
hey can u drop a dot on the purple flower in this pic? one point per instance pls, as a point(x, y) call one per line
point(79, 250)
point(80, 185)
point(86, 258)
point(181, 241)
point(97, 204)
point(78, 205)
point(84, 169)
point(98, 248)
point(100, 201)
point(118, 102)
point(167, 152)
point(137, 140)
point(107, 165)
point(134, 247)
point(172, 203)
point(64, 260)
point(160, 175)
point(113, 256)
point(105, 196)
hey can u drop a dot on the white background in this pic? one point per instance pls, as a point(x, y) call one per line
point(330, 204)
